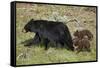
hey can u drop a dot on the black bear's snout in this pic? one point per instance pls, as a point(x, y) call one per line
point(24, 31)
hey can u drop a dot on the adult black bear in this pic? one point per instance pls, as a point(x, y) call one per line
point(49, 31)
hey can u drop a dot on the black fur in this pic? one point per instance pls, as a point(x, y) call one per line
point(50, 31)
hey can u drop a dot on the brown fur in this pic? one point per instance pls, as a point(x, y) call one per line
point(81, 44)
point(80, 34)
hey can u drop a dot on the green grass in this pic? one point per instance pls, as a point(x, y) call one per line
point(36, 53)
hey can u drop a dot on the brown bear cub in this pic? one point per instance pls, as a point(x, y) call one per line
point(81, 44)
point(81, 33)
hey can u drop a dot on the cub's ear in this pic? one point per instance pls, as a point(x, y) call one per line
point(77, 30)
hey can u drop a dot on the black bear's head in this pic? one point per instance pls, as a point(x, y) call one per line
point(27, 27)
point(31, 26)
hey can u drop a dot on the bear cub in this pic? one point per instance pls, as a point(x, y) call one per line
point(81, 44)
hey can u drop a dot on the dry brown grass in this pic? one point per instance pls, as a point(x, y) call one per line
point(37, 54)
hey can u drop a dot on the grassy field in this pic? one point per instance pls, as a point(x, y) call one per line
point(36, 53)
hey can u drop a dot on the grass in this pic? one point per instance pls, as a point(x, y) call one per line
point(36, 53)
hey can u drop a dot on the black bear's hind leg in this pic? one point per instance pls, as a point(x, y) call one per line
point(62, 44)
point(70, 46)
point(46, 41)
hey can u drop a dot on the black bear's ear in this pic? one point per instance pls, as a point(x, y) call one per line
point(32, 19)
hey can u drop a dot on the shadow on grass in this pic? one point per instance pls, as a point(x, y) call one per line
point(29, 42)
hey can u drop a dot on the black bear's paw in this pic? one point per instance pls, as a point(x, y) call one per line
point(27, 45)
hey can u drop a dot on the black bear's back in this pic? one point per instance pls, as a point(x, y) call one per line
point(47, 23)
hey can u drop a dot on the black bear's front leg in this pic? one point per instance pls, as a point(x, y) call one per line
point(36, 40)
point(46, 41)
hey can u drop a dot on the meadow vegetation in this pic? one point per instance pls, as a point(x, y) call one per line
point(36, 54)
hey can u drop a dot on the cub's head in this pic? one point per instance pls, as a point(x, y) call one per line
point(76, 42)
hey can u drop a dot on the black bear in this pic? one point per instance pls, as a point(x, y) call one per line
point(49, 31)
